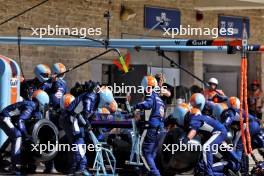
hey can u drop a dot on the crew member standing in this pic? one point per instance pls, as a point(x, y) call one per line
point(156, 125)
point(212, 93)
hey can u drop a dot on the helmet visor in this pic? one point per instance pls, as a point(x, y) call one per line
point(45, 75)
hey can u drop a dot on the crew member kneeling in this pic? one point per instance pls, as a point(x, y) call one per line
point(18, 113)
point(75, 118)
point(201, 122)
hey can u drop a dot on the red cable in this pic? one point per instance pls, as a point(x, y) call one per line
point(246, 107)
point(242, 75)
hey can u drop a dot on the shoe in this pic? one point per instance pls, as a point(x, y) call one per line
point(83, 173)
point(50, 171)
point(50, 168)
point(16, 171)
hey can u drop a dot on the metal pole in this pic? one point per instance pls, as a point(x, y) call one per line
point(91, 59)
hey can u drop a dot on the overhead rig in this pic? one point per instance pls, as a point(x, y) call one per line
point(143, 44)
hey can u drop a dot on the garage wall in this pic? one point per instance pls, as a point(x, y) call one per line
point(224, 67)
point(211, 58)
point(151, 58)
point(172, 75)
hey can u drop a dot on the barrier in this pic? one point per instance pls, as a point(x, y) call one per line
point(9, 86)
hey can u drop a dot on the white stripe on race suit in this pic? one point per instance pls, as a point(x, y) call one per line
point(81, 150)
point(237, 117)
point(20, 99)
point(222, 163)
point(8, 122)
point(18, 144)
point(238, 135)
point(261, 136)
point(15, 112)
point(158, 98)
point(89, 103)
point(79, 108)
point(75, 125)
point(28, 112)
point(218, 155)
point(72, 119)
point(59, 94)
point(207, 145)
point(60, 89)
point(207, 127)
point(147, 115)
point(61, 134)
point(141, 153)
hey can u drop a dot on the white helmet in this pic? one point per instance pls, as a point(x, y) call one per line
point(213, 81)
point(58, 68)
point(197, 100)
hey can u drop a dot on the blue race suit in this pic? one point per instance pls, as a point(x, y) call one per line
point(205, 123)
point(29, 86)
point(12, 120)
point(231, 117)
point(58, 89)
point(208, 108)
point(155, 131)
point(82, 105)
point(56, 92)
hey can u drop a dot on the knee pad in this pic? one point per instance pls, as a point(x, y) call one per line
point(18, 143)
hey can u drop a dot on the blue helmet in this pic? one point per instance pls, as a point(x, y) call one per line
point(149, 82)
point(42, 97)
point(107, 99)
point(66, 100)
point(197, 100)
point(233, 102)
point(58, 68)
point(180, 112)
point(42, 72)
point(218, 109)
